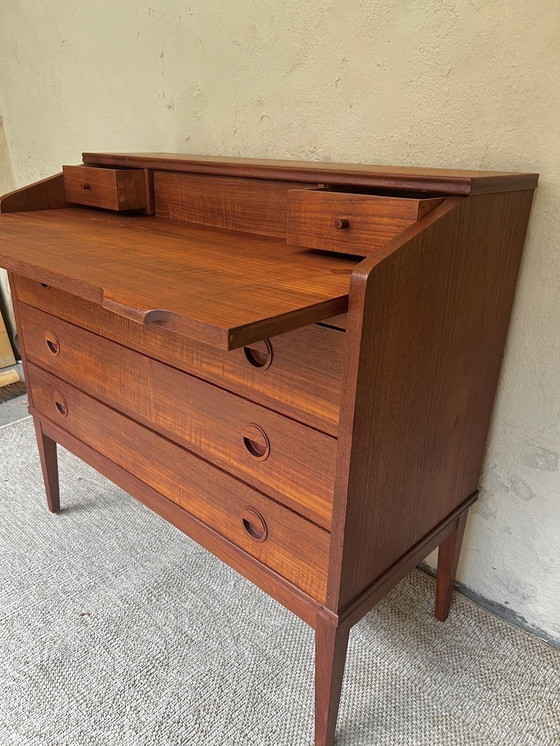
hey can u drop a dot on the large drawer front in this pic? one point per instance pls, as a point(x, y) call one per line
point(288, 460)
point(298, 373)
point(277, 537)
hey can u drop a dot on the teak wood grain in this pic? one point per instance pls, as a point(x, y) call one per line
point(295, 548)
point(254, 205)
point(110, 188)
point(351, 223)
point(47, 194)
point(439, 180)
point(303, 379)
point(241, 288)
point(299, 468)
point(272, 583)
point(428, 324)
point(138, 308)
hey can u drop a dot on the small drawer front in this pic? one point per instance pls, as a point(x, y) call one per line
point(350, 223)
point(298, 373)
point(275, 536)
point(292, 462)
point(109, 188)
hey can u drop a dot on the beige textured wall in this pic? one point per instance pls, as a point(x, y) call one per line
point(456, 83)
point(6, 183)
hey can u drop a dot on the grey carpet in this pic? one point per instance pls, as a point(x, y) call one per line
point(117, 629)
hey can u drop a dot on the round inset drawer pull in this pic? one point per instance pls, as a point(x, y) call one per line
point(259, 355)
point(51, 340)
point(256, 442)
point(254, 525)
point(60, 404)
point(44, 285)
point(85, 186)
point(341, 224)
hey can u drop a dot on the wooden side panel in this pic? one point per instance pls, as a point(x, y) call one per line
point(293, 547)
point(251, 205)
point(47, 194)
point(429, 325)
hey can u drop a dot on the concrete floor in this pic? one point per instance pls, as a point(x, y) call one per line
point(14, 409)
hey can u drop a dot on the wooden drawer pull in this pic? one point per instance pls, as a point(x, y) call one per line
point(341, 224)
point(256, 442)
point(85, 186)
point(254, 525)
point(60, 404)
point(51, 340)
point(259, 355)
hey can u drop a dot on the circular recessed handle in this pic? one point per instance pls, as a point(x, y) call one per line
point(60, 404)
point(51, 340)
point(44, 285)
point(259, 354)
point(341, 224)
point(85, 185)
point(256, 442)
point(254, 525)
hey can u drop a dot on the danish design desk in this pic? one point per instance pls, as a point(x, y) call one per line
point(294, 363)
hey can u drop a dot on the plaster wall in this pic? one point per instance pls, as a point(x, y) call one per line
point(6, 184)
point(457, 83)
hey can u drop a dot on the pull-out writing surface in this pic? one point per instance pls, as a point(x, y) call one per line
point(224, 288)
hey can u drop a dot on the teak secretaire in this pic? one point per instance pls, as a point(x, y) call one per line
point(294, 363)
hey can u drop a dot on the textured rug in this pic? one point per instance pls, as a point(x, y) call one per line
point(117, 629)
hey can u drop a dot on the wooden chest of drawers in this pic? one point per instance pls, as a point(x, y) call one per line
point(293, 363)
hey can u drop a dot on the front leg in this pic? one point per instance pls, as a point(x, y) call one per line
point(49, 465)
point(331, 644)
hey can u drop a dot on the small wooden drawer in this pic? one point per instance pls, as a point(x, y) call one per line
point(288, 460)
point(110, 188)
point(348, 222)
point(275, 536)
point(298, 374)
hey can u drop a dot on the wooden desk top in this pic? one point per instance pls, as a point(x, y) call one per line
point(222, 287)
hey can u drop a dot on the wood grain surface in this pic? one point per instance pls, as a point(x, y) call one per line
point(217, 286)
point(427, 326)
point(299, 469)
point(438, 180)
point(109, 188)
point(350, 223)
point(303, 379)
point(295, 548)
point(254, 205)
point(47, 194)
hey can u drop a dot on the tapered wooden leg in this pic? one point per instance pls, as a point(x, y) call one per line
point(331, 644)
point(448, 558)
point(49, 465)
